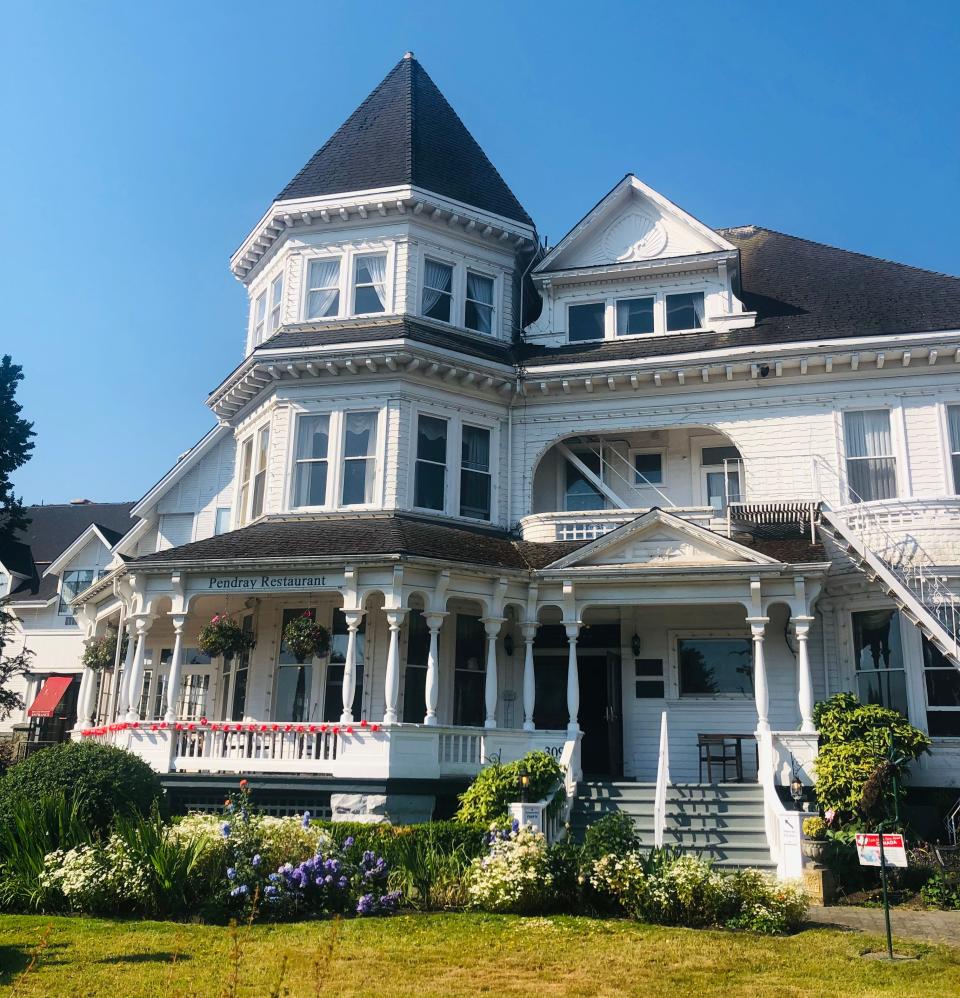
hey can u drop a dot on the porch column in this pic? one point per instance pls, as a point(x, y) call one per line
point(176, 667)
point(353, 619)
point(492, 626)
point(573, 676)
point(120, 702)
point(432, 687)
point(392, 692)
point(529, 632)
point(760, 690)
point(88, 691)
point(801, 627)
point(136, 672)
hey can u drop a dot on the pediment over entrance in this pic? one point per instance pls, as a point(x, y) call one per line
point(661, 540)
point(632, 223)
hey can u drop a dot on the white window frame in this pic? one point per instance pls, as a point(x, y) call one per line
point(376, 455)
point(952, 481)
point(244, 504)
point(295, 461)
point(456, 420)
point(495, 312)
point(652, 295)
point(686, 329)
point(590, 301)
point(417, 460)
point(275, 307)
point(662, 451)
point(258, 315)
point(898, 453)
point(342, 286)
point(460, 471)
point(356, 255)
point(244, 479)
point(455, 297)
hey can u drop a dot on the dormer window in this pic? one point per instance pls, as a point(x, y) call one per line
point(586, 322)
point(635, 316)
point(276, 300)
point(685, 311)
point(437, 290)
point(369, 284)
point(323, 290)
point(478, 312)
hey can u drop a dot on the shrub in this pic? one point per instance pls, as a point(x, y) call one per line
point(488, 798)
point(680, 890)
point(515, 876)
point(106, 781)
point(392, 841)
point(815, 828)
point(98, 878)
point(614, 834)
point(854, 745)
point(942, 891)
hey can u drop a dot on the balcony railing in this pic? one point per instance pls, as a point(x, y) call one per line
point(587, 525)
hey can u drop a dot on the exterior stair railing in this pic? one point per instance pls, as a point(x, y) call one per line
point(663, 782)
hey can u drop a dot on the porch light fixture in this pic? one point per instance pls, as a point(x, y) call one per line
point(796, 791)
point(635, 645)
point(508, 644)
point(524, 785)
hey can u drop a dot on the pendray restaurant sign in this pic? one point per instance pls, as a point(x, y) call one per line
point(227, 584)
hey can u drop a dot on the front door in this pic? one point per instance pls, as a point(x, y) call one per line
point(615, 714)
point(601, 716)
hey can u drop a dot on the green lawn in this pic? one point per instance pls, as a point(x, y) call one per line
point(448, 955)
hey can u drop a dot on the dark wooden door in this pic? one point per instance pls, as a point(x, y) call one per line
point(615, 714)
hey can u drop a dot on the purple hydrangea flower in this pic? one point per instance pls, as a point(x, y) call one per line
point(231, 873)
point(366, 904)
point(348, 841)
point(306, 819)
point(225, 829)
point(255, 862)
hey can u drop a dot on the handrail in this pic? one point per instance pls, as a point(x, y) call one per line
point(953, 824)
point(663, 781)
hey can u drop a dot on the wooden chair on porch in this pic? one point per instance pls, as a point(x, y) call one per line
point(721, 751)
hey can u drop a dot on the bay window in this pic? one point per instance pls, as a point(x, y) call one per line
point(72, 583)
point(953, 431)
point(359, 458)
point(475, 478)
point(878, 659)
point(478, 310)
point(369, 284)
point(437, 290)
point(871, 464)
point(323, 288)
point(431, 465)
point(942, 682)
point(246, 467)
point(260, 474)
point(310, 461)
point(276, 302)
point(685, 311)
point(259, 318)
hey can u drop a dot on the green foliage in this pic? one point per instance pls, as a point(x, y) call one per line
point(428, 866)
point(392, 841)
point(224, 638)
point(613, 834)
point(815, 828)
point(101, 653)
point(304, 637)
point(854, 744)
point(487, 799)
point(106, 781)
point(31, 829)
point(15, 449)
point(942, 891)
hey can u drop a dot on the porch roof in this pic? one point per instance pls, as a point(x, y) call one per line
point(363, 534)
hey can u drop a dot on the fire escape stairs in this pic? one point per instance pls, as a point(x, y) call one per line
point(919, 593)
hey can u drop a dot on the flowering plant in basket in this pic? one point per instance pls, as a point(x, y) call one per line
point(101, 652)
point(224, 636)
point(304, 637)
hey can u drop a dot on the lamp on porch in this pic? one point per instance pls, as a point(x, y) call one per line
point(524, 785)
point(635, 645)
point(796, 791)
point(508, 644)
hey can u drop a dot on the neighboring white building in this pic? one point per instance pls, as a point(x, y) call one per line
point(542, 498)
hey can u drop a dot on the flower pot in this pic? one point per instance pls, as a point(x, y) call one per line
point(815, 850)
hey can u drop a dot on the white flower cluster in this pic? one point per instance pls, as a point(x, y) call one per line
point(99, 878)
point(515, 876)
point(283, 839)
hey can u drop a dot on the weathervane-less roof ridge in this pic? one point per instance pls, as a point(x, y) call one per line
point(406, 133)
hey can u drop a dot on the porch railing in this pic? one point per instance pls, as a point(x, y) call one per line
point(663, 782)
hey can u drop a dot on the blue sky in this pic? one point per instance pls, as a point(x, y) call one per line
point(142, 141)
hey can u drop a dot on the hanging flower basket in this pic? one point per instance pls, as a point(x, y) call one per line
point(224, 637)
point(101, 653)
point(305, 638)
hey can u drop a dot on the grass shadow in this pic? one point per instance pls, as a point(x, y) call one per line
point(162, 957)
point(16, 957)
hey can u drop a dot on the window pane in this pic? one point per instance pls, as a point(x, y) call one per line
point(943, 687)
point(432, 439)
point(944, 723)
point(870, 479)
point(360, 434)
point(634, 315)
point(717, 455)
point(582, 493)
point(223, 520)
point(715, 665)
point(312, 436)
point(367, 300)
point(475, 448)
point(310, 487)
point(468, 684)
point(953, 424)
point(888, 689)
point(370, 284)
point(437, 287)
point(293, 692)
point(876, 640)
point(429, 487)
point(475, 495)
point(478, 314)
point(357, 482)
point(685, 311)
point(585, 322)
point(867, 434)
point(648, 468)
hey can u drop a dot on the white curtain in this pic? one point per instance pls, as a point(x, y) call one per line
point(697, 301)
point(324, 290)
point(436, 281)
point(377, 269)
point(480, 290)
point(868, 433)
point(871, 466)
point(475, 449)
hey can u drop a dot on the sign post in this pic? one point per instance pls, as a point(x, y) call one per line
point(882, 849)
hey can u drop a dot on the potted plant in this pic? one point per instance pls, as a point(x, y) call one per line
point(101, 653)
point(814, 843)
point(305, 638)
point(224, 637)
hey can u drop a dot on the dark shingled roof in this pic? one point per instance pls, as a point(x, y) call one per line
point(801, 290)
point(53, 529)
point(406, 535)
point(405, 132)
point(422, 332)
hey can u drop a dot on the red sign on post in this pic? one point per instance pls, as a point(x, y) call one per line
point(868, 849)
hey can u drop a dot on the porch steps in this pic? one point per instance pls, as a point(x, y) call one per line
point(720, 822)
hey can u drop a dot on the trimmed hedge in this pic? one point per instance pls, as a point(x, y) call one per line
point(488, 798)
point(104, 781)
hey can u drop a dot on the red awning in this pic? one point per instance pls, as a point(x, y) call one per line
point(50, 695)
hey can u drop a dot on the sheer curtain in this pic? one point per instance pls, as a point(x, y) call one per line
point(377, 269)
point(324, 288)
point(953, 421)
point(696, 300)
point(437, 278)
point(871, 465)
point(480, 290)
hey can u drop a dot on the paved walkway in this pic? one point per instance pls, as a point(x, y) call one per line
point(927, 926)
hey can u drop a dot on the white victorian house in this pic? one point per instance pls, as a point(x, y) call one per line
point(657, 478)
